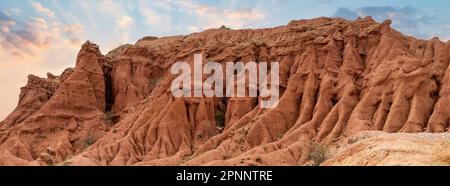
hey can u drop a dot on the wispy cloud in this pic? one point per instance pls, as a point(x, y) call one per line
point(21, 39)
point(74, 32)
point(157, 20)
point(42, 10)
point(116, 10)
point(12, 12)
point(204, 16)
point(346, 13)
point(25, 39)
point(74, 29)
point(407, 18)
point(124, 22)
point(114, 22)
point(110, 7)
point(210, 16)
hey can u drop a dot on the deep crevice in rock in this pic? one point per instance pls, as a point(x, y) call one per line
point(109, 95)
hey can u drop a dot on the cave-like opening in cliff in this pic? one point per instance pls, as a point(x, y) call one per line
point(220, 114)
point(435, 94)
point(256, 101)
point(110, 117)
point(109, 95)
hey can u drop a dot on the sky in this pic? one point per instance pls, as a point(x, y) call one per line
point(40, 36)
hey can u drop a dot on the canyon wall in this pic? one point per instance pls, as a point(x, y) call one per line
point(337, 78)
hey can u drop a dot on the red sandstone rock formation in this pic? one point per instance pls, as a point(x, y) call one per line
point(337, 78)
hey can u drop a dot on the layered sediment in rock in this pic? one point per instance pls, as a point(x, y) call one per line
point(337, 78)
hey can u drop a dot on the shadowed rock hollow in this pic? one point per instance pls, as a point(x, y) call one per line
point(337, 78)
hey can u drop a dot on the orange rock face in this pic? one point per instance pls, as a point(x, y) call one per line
point(337, 78)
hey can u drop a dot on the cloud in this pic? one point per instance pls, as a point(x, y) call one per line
point(74, 32)
point(12, 12)
point(117, 11)
point(211, 16)
point(74, 29)
point(110, 7)
point(408, 19)
point(115, 16)
point(346, 13)
point(26, 39)
point(124, 22)
point(6, 23)
point(157, 15)
point(22, 38)
point(208, 16)
point(405, 16)
point(42, 10)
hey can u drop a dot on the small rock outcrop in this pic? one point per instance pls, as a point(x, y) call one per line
point(390, 149)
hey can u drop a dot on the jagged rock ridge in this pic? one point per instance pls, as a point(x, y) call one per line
point(337, 78)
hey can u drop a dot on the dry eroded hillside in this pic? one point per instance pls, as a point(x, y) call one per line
point(337, 78)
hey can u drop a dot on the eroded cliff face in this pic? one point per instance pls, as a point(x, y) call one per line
point(337, 78)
